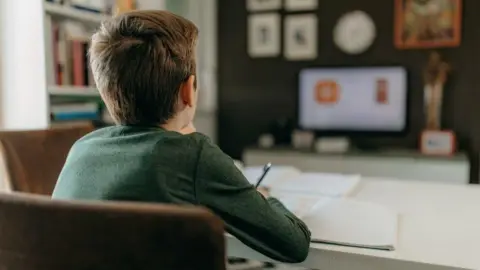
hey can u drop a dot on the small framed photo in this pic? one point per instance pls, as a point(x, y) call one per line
point(297, 5)
point(427, 23)
point(264, 35)
point(438, 143)
point(262, 5)
point(300, 37)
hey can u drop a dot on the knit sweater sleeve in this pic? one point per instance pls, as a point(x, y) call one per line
point(262, 224)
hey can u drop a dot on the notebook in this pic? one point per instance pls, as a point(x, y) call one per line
point(321, 201)
point(352, 223)
point(289, 179)
point(345, 222)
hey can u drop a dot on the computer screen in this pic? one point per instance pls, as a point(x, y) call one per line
point(365, 99)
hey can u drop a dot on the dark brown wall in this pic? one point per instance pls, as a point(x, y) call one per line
point(254, 92)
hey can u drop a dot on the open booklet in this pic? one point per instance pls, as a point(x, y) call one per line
point(321, 201)
point(343, 221)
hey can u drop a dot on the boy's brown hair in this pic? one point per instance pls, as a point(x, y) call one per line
point(139, 60)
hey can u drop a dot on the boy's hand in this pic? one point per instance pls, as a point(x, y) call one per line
point(264, 191)
point(188, 129)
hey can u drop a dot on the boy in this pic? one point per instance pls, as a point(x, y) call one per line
point(144, 67)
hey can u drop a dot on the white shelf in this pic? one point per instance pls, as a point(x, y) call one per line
point(66, 12)
point(73, 91)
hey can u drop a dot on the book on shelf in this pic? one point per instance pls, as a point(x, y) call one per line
point(75, 111)
point(324, 202)
point(70, 65)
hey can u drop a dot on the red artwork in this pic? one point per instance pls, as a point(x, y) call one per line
point(382, 91)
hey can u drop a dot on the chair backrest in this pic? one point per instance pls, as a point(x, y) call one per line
point(39, 233)
point(35, 158)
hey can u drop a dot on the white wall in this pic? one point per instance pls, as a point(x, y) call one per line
point(150, 4)
point(203, 14)
point(22, 66)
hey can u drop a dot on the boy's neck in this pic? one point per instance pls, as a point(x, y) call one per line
point(173, 125)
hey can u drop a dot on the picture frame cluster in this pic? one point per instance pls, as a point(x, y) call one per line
point(418, 24)
point(300, 29)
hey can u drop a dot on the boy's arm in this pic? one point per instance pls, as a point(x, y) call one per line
point(263, 224)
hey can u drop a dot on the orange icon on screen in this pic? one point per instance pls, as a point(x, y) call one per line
point(327, 92)
point(382, 91)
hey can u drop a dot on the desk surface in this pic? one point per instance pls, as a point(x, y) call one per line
point(439, 228)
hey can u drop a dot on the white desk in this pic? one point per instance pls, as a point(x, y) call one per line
point(439, 228)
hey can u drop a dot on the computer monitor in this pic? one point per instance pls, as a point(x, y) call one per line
point(353, 100)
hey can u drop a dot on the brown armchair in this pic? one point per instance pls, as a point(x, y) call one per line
point(37, 233)
point(30, 161)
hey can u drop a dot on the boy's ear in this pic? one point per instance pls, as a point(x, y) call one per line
point(187, 91)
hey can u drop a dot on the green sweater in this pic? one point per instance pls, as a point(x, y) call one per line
point(149, 164)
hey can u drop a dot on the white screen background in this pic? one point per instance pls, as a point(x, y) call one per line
point(357, 108)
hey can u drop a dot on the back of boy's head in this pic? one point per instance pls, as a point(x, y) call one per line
point(139, 60)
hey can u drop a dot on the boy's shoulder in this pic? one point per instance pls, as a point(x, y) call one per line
point(100, 132)
point(193, 142)
point(199, 138)
point(155, 136)
point(121, 131)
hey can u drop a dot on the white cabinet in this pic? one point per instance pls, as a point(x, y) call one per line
point(398, 165)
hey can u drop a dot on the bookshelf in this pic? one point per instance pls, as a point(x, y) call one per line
point(67, 30)
point(70, 88)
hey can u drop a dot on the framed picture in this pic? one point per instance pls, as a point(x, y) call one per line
point(262, 5)
point(427, 23)
point(295, 5)
point(300, 37)
point(438, 142)
point(264, 35)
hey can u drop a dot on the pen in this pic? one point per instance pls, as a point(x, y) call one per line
point(266, 168)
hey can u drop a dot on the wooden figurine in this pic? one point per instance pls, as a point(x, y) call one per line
point(435, 76)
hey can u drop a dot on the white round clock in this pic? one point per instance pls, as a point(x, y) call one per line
point(354, 32)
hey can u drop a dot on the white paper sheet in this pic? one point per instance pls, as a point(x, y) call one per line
point(324, 184)
point(274, 177)
point(300, 205)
